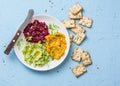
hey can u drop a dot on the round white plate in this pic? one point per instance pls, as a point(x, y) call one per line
point(51, 64)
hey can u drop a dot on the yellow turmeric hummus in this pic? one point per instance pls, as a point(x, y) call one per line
point(55, 45)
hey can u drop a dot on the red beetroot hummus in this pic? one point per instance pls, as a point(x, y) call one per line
point(36, 31)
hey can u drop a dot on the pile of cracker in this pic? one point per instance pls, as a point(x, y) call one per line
point(79, 55)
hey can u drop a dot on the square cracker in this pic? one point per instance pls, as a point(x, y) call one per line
point(71, 38)
point(77, 29)
point(78, 39)
point(85, 21)
point(75, 9)
point(76, 56)
point(69, 23)
point(86, 58)
point(79, 70)
point(77, 16)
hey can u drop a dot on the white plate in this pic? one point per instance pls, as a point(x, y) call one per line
point(51, 64)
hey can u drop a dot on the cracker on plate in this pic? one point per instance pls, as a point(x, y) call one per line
point(79, 70)
point(78, 29)
point(85, 21)
point(75, 9)
point(78, 38)
point(77, 16)
point(76, 56)
point(69, 23)
point(86, 59)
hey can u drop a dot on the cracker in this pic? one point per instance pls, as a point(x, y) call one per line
point(85, 21)
point(78, 39)
point(86, 58)
point(71, 38)
point(69, 23)
point(75, 9)
point(77, 16)
point(76, 56)
point(77, 29)
point(79, 70)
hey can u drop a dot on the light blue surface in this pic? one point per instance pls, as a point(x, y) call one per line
point(103, 43)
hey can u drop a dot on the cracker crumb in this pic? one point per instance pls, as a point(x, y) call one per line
point(45, 10)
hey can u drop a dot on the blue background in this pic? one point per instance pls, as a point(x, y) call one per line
point(103, 43)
